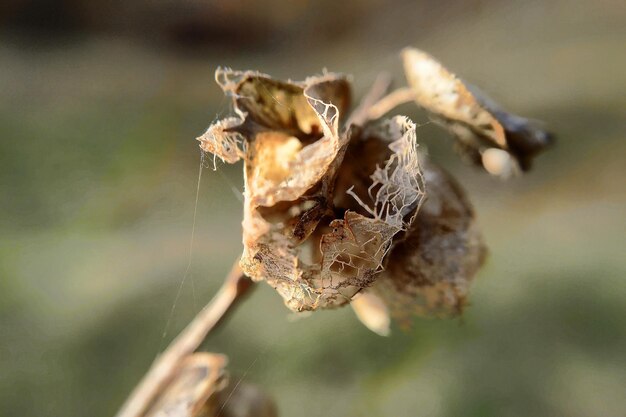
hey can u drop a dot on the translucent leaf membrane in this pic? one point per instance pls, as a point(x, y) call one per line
point(298, 237)
point(428, 272)
point(478, 123)
point(396, 188)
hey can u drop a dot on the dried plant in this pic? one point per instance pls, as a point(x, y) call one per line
point(341, 208)
point(486, 134)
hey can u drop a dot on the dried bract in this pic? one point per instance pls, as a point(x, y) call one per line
point(343, 208)
point(487, 135)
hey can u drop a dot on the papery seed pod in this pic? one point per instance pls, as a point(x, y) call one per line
point(298, 236)
point(479, 124)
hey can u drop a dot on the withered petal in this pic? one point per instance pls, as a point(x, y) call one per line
point(288, 133)
point(264, 103)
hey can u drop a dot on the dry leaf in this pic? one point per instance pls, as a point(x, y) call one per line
point(336, 213)
point(478, 123)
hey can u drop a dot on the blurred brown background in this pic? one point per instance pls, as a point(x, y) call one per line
point(99, 107)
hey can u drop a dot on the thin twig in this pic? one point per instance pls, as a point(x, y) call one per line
point(163, 369)
point(360, 115)
point(390, 101)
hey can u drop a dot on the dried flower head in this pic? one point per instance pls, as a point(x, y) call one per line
point(316, 248)
point(343, 209)
point(340, 210)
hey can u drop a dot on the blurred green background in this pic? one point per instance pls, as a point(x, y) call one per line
point(100, 103)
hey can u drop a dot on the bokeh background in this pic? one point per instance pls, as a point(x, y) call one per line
point(100, 103)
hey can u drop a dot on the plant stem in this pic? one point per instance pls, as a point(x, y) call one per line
point(235, 286)
point(376, 92)
point(390, 101)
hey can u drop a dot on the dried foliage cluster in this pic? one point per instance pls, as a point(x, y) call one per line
point(341, 208)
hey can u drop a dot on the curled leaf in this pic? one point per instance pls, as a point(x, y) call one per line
point(478, 123)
